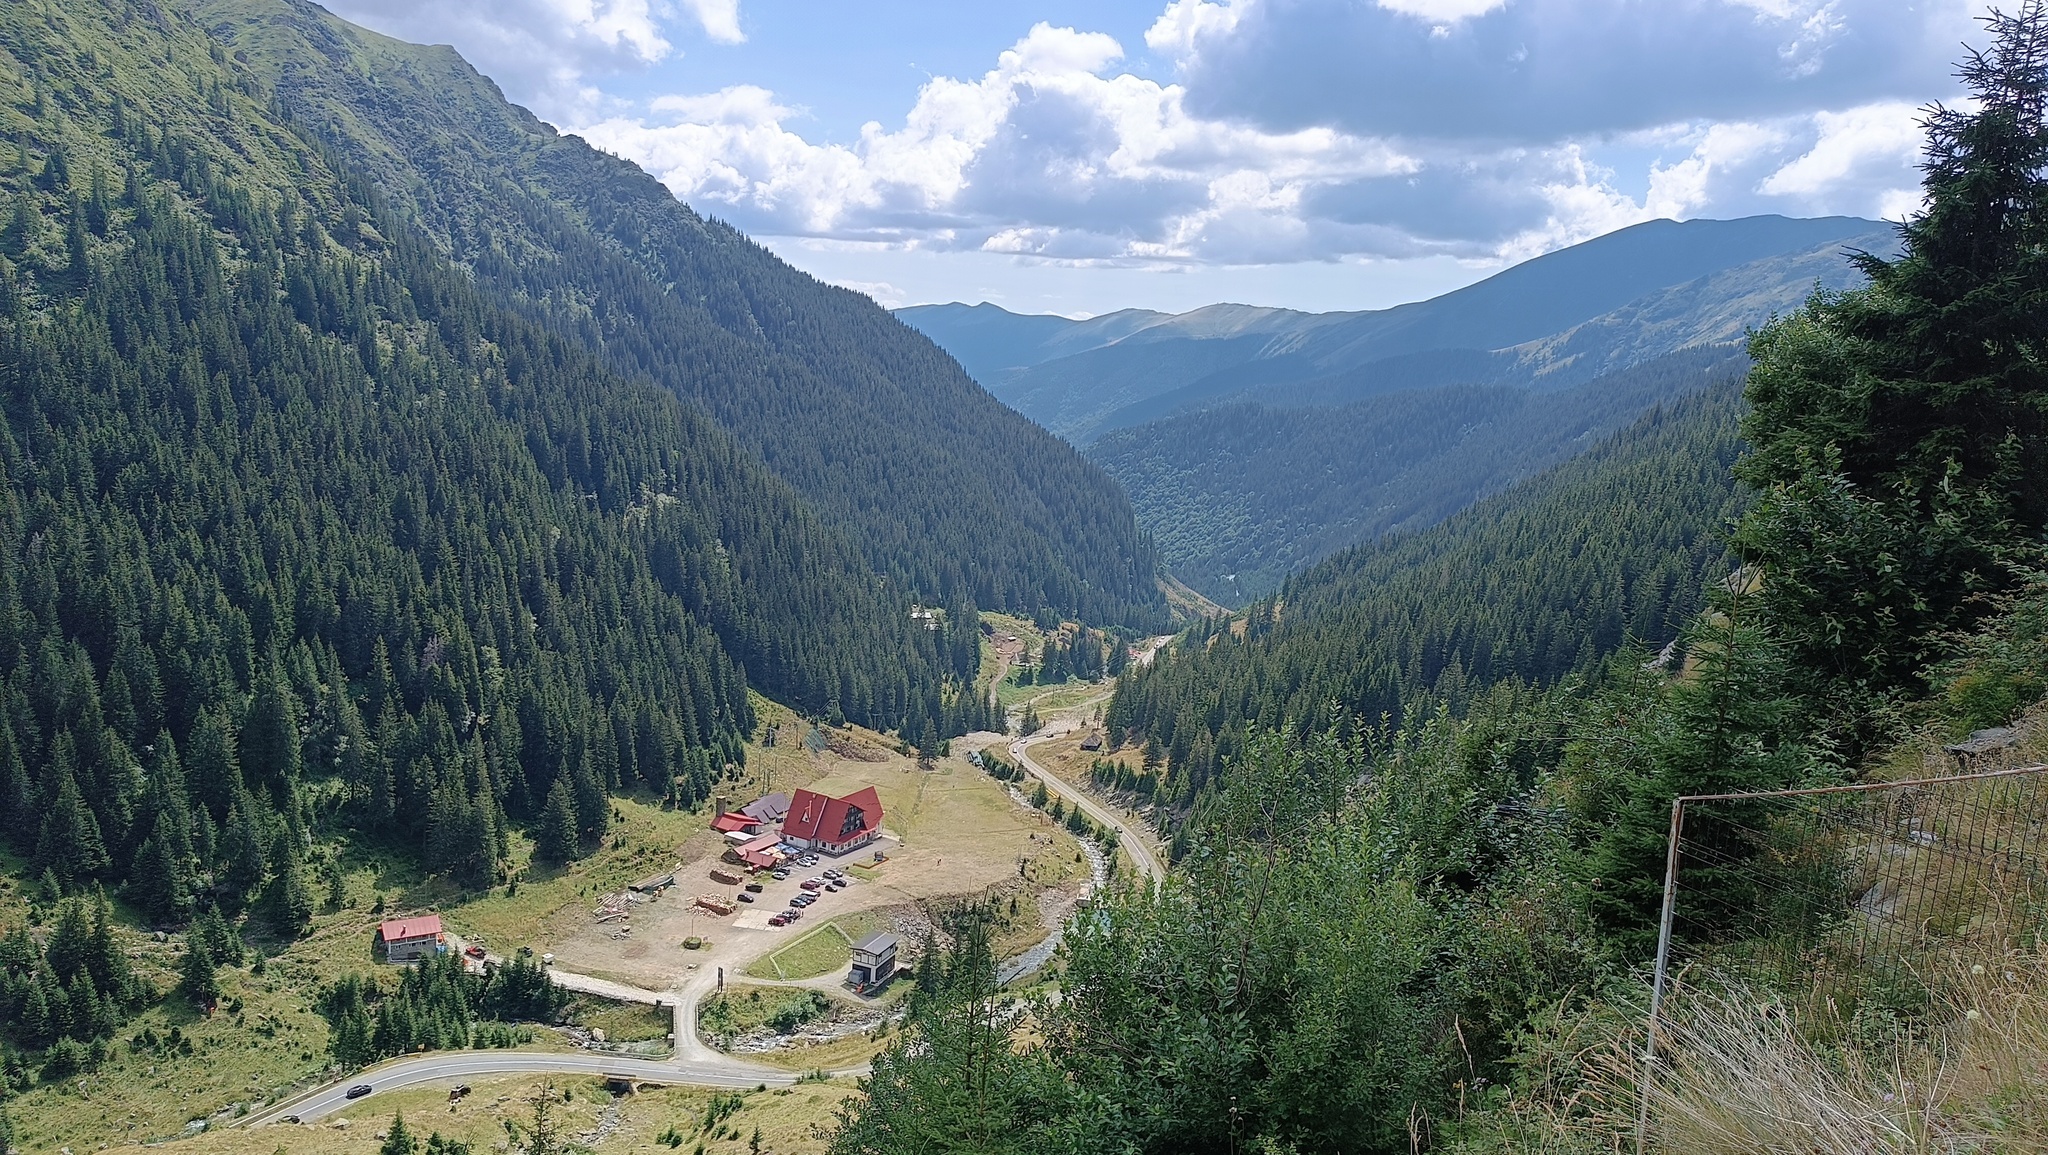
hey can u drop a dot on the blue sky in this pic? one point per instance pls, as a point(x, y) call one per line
point(1058, 156)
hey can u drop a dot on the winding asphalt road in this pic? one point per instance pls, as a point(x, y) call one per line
point(452, 1067)
point(1140, 854)
point(694, 1065)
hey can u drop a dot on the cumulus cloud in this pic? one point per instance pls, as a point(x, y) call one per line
point(1867, 149)
point(1282, 130)
point(1051, 153)
point(720, 19)
point(545, 53)
point(1538, 70)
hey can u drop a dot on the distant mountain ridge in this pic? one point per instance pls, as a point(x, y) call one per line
point(1559, 319)
point(1255, 440)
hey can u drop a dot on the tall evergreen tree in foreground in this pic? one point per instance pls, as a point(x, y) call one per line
point(1899, 430)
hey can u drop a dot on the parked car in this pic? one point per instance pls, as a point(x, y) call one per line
point(836, 884)
point(743, 896)
point(778, 919)
point(358, 1091)
point(755, 887)
point(778, 874)
point(794, 914)
point(835, 874)
point(811, 883)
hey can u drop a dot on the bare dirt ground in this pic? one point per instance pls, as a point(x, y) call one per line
point(948, 831)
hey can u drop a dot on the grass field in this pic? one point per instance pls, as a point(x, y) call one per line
point(1062, 696)
point(822, 951)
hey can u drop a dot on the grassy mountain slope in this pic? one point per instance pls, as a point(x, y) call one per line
point(1537, 583)
point(950, 494)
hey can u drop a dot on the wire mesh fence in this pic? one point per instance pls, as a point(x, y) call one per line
point(1862, 872)
point(1790, 886)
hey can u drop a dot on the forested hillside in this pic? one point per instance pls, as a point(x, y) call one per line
point(1243, 495)
point(299, 531)
point(1435, 934)
point(948, 493)
point(1536, 584)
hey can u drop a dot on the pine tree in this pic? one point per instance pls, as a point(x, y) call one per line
point(1898, 429)
point(398, 1140)
point(104, 958)
point(556, 841)
point(70, 844)
point(288, 901)
point(196, 978)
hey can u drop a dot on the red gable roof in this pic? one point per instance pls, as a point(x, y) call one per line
point(814, 817)
point(733, 822)
point(399, 929)
point(760, 852)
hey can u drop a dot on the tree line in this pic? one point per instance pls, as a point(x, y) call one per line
point(1411, 930)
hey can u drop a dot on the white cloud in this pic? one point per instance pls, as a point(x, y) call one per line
point(1538, 71)
point(1877, 140)
point(1286, 131)
point(720, 19)
point(1439, 12)
point(1050, 153)
point(541, 52)
point(1186, 23)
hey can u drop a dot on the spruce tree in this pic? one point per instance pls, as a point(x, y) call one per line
point(196, 978)
point(160, 884)
point(270, 737)
point(1899, 429)
point(288, 901)
point(556, 841)
point(1732, 727)
point(104, 958)
point(70, 844)
point(398, 1140)
point(241, 866)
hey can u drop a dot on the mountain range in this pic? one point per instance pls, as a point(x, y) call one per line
point(1254, 440)
point(879, 431)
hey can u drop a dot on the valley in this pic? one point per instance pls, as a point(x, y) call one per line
point(497, 657)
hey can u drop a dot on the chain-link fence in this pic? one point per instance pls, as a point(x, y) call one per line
point(1795, 884)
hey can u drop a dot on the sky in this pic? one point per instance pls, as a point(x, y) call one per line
point(1056, 156)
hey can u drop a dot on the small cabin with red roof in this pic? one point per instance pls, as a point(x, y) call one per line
point(833, 825)
point(408, 940)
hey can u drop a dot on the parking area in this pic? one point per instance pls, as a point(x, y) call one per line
point(951, 830)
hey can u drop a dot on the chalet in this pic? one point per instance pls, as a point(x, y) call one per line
point(833, 825)
point(408, 940)
point(874, 961)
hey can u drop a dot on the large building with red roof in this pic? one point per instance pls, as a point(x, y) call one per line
point(833, 825)
point(412, 939)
